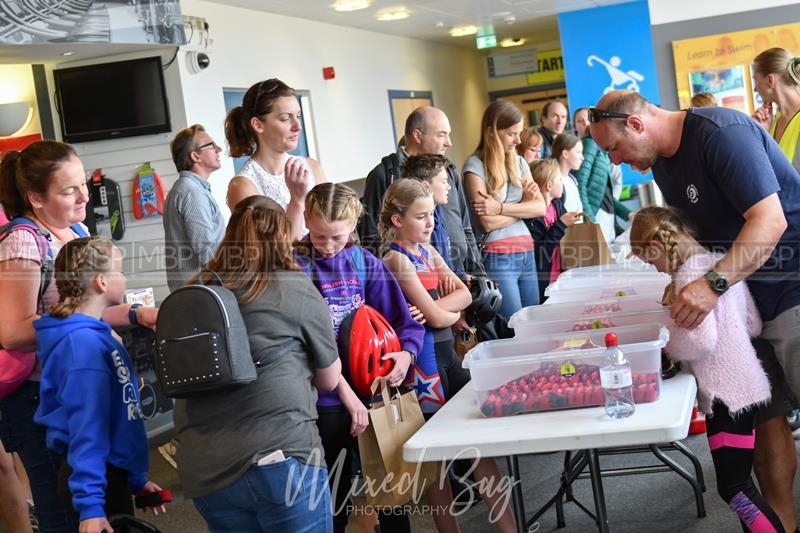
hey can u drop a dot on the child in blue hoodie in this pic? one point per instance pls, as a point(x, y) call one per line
point(89, 401)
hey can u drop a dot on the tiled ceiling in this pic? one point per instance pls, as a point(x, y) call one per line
point(534, 20)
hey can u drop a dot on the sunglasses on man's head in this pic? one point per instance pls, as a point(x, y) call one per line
point(596, 115)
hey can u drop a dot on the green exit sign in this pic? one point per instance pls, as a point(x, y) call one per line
point(486, 41)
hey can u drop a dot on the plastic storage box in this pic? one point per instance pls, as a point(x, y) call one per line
point(584, 309)
point(609, 270)
point(588, 288)
point(514, 376)
point(526, 326)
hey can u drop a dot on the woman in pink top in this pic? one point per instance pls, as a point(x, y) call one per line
point(730, 381)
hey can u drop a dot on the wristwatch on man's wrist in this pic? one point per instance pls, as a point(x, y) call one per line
point(718, 282)
point(132, 318)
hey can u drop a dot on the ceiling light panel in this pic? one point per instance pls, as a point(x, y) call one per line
point(350, 5)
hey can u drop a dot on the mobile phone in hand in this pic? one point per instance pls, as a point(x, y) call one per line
point(153, 499)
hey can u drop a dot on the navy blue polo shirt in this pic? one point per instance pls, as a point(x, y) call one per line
point(726, 163)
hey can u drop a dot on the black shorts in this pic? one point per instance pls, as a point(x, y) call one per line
point(452, 374)
point(779, 402)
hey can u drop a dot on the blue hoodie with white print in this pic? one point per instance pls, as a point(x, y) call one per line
point(89, 402)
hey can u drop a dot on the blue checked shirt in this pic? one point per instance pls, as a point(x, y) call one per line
point(193, 228)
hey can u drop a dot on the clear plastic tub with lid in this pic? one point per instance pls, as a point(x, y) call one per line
point(527, 328)
point(514, 376)
point(587, 288)
point(585, 309)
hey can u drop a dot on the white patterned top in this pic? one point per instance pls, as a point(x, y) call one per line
point(269, 185)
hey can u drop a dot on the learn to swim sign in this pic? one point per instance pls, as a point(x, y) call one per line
point(721, 64)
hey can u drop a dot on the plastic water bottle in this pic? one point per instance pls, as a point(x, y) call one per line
point(615, 377)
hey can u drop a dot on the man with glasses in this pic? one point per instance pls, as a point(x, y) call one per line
point(193, 222)
point(742, 195)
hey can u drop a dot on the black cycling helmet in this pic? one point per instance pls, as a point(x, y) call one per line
point(486, 300)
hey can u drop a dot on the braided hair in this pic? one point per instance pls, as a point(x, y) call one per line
point(78, 262)
point(662, 224)
point(665, 225)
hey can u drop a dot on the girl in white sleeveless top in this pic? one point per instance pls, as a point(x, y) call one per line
point(267, 127)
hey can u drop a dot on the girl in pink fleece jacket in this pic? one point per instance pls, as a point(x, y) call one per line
point(730, 381)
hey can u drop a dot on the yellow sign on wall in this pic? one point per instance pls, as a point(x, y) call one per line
point(721, 64)
point(551, 68)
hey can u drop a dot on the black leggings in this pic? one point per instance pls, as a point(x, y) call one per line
point(334, 430)
point(118, 498)
point(453, 377)
point(731, 441)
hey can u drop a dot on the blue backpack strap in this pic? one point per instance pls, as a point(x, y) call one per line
point(79, 231)
point(360, 264)
point(304, 264)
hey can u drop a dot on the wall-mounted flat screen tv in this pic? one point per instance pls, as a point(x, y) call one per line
point(112, 100)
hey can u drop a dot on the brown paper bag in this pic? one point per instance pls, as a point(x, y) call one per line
point(584, 245)
point(391, 481)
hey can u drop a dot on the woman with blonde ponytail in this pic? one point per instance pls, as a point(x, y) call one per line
point(499, 186)
point(777, 80)
point(89, 400)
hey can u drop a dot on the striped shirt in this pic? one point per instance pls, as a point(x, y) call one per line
point(193, 228)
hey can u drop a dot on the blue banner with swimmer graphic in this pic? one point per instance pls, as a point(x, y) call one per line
point(609, 48)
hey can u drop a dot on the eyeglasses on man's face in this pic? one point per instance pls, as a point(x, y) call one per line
point(203, 146)
point(596, 115)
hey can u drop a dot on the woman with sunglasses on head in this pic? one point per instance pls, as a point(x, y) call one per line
point(267, 127)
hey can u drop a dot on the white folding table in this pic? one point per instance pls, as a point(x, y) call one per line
point(459, 430)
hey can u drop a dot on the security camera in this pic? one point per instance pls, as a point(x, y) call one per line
point(197, 62)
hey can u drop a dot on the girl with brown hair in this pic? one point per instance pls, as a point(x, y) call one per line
point(263, 434)
point(730, 380)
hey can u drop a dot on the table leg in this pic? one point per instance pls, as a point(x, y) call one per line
point(567, 460)
point(698, 470)
point(572, 469)
point(517, 501)
point(698, 492)
point(597, 489)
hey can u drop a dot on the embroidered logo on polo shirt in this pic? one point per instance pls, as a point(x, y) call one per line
point(692, 194)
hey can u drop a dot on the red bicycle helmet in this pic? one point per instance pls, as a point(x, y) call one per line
point(364, 337)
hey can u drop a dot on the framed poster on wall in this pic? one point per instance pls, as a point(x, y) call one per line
point(726, 84)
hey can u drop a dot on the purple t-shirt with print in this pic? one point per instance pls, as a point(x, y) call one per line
point(339, 282)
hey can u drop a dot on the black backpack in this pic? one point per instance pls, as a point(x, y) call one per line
point(201, 342)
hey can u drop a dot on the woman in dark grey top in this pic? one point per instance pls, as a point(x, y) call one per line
point(221, 437)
